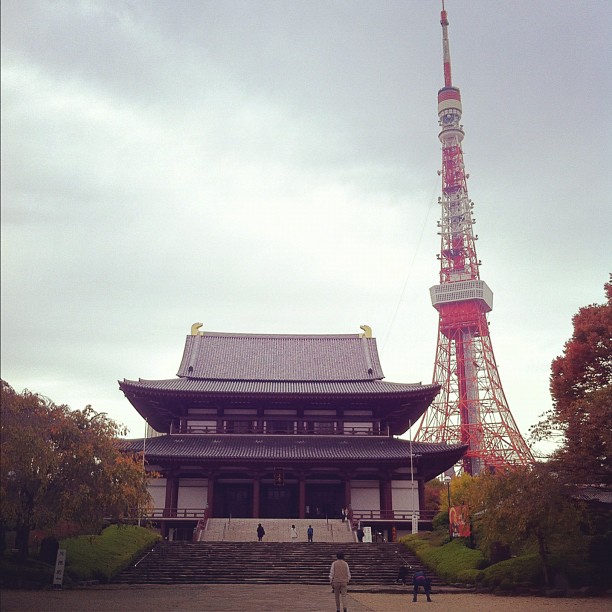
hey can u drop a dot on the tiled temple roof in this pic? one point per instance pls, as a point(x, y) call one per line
point(234, 449)
point(220, 367)
point(236, 357)
point(258, 387)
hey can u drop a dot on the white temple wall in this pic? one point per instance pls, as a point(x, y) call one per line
point(192, 493)
point(404, 495)
point(365, 495)
point(157, 491)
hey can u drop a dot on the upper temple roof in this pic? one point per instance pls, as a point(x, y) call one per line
point(220, 356)
point(219, 370)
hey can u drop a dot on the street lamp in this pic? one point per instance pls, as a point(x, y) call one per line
point(447, 480)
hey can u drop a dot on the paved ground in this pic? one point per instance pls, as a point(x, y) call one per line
point(269, 598)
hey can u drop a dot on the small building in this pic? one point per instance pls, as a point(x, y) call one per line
point(287, 426)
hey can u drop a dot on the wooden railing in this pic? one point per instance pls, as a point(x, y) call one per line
point(365, 430)
point(354, 516)
point(179, 513)
point(391, 515)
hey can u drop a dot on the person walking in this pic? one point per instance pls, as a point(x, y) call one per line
point(420, 580)
point(293, 534)
point(310, 533)
point(261, 532)
point(339, 577)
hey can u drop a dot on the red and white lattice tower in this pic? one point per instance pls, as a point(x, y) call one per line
point(471, 407)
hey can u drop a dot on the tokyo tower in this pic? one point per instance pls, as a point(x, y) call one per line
point(471, 407)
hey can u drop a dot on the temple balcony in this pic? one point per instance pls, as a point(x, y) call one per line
point(303, 429)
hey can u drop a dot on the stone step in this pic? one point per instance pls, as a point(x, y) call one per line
point(277, 530)
point(264, 563)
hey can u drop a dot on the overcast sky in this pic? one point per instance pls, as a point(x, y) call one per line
point(271, 167)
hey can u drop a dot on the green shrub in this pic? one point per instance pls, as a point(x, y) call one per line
point(440, 522)
point(102, 557)
point(429, 538)
point(525, 570)
point(469, 576)
point(449, 560)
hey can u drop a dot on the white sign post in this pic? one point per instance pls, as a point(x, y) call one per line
point(367, 534)
point(60, 564)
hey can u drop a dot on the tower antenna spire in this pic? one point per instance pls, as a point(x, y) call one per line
point(445, 48)
point(471, 408)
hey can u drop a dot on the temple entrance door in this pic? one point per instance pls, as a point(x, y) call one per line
point(279, 502)
point(324, 500)
point(234, 500)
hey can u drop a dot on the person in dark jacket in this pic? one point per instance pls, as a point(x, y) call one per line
point(402, 574)
point(310, 533)
point(261, 532)
point(419, 579)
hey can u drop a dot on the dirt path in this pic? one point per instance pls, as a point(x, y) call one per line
point(269, 598)
point(467, 602)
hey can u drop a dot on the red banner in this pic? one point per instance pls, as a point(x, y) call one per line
point(459, 519)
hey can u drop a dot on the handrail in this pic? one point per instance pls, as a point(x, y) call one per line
point(200, 526)
point(145, 556)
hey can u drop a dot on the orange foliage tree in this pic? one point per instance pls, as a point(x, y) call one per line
point(61, 464)
point(581, 388)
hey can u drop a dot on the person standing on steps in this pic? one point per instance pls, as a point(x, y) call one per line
point(360, 534)
point(294, 534)
point(310, 533)
point(339, 577)
point(420, 580)
point(261, 532)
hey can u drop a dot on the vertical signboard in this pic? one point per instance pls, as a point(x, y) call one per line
point(60, 564)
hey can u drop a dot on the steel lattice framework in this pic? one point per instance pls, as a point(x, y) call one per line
point(471, 408)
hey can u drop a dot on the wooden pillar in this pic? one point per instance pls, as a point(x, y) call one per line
point(386, 500)
point(256, 494)
point(347, 490)
point(302, 495)
point(210, 495)
point(390, 495)
point(171, 495)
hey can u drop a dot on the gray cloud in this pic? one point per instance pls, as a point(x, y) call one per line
point(271, 167)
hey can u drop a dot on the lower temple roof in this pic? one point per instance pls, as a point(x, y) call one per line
point(432, 459)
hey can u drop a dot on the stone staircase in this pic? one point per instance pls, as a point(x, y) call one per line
point(265, 563)
point(277, 530)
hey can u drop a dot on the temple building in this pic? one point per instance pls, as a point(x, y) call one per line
point(287, 426)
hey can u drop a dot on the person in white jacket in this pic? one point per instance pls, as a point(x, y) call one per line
point(339, 577)
point(293, 534)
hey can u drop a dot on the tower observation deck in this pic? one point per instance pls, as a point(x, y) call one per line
point(471, 408)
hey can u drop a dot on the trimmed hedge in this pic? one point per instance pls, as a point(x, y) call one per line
point(453, 562)
point(518, 571)
point(103, 556)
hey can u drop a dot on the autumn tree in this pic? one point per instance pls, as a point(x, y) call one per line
point(58, 463)
point(581, 388)
point(432, 496)
point(524, 507)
